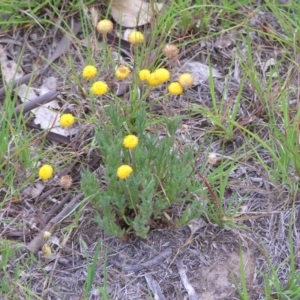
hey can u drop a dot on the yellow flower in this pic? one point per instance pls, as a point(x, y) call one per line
point(89, 72)
point(45, 172)
point(135, 37)
point(99, 88)
point(162, 75)
point(175, 88)
point(122, 72)
point(130, 141)
point(186, 80)
point(105, 26)
point(152, 80)
point(46, 235)
point(124, 172)
point(46, 251)
point(67, 120)
point(143, 74)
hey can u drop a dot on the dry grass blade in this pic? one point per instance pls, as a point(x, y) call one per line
point(62, 47)
point(185, 281)
point(155, 288)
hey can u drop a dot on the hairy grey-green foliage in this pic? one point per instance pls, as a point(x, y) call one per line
point(163, 174)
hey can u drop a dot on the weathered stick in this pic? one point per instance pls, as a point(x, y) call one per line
point(32, 104)
point(37, 242)
point(22, 80)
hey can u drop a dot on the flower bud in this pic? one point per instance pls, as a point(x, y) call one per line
point(46, 251)
point(46, 235)
point(212, 158)
point(105, 26)
point(186, 80)
point(135, 37)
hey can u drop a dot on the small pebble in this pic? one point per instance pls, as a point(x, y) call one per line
point(63, 261)
point(33, 36)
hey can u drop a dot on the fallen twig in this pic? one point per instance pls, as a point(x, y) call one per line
point(48, 193)
point(32, 104)
point(25, 79)
point(55, 208)
point(37, 242)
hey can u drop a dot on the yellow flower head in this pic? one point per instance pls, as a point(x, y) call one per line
point(143, 74)
point(135, 37)
point(124, 172)
point(46, 235)
point(175, 88)
point(130, 141)
point(89, 72)
point(46, 251)
point(67, 120)
point(105, 26)
point(162, 75)
point(122, 72)
point(152, 80)
point(186, 80)
point(45, 172)
point(99, 88)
